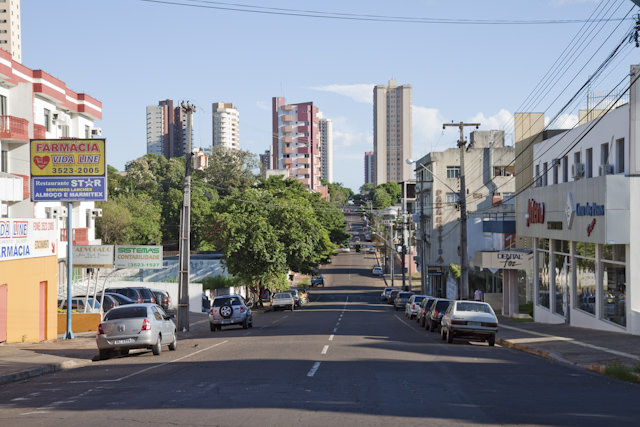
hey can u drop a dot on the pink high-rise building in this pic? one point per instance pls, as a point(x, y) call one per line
point(296, 142)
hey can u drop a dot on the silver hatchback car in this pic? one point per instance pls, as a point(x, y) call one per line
point(134, 326)
point(230, 310)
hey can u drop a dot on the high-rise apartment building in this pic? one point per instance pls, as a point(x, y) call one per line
point(166, 129)
point(369, 167)
point(10, 33)
point(392, 132)
point(325, 132)
point(296, 141)
point(226, 125)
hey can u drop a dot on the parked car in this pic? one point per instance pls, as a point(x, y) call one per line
point(122, 300)
point(377, 270)
point(422, 310)
point(435, 313)
point(385, 294)
point(136, 326)
point(411, 309)
point(108, 302)
point(469, 319)
point(392, 296)
point(317, 280)
point(163, 299)
point(283, 300)
point(137, 293)
point(296, 296)
point(81, 304)
point(230, 310)
point(401, 300)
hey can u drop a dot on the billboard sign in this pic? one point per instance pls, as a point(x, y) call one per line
point(68, 170)
point(129, 256)
point(92, 256)
point(27, 238)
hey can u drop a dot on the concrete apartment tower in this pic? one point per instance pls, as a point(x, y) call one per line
point(368, 167)
point(325, 133)
point(392, 140)
point(226, 125)
point(296, 142)
point(166, 129)
point(10, 33)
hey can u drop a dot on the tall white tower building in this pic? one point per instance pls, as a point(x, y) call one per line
point(226, 125)
point(325, 132)
point(10, 32)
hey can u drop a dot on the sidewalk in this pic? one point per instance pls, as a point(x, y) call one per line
point(584, 348)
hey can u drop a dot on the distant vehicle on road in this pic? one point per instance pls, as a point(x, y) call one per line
point(377, 270)
point(385, 294)
point(401, 300)
point(283, 300)
point(317, 281)
point(421, 317)
point(469, 319)
point(136, 326)
point(392, 296)
point(411, 309)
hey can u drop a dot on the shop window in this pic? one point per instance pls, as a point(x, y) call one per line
point(614, 253)
point(586, 250)
point(585, 295)
point(544, 278)
point(561, 282)
point(614, 288)
point(543, 244)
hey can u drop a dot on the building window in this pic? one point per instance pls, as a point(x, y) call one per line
point(65, 131)
point(604, 154)
point(589, 163)
point(4, 161)
point(87, 131)
point(47, 120)
point(453, 198)
point(544, 273)
point(614, 284)
point(3, 106)
point(538, 181)
point(562, 270)
point(585, 295)
point(565, 169)
point(504, 170)
point(545, 168)
point(620, 155)
point(453, 171)
point(556, 162)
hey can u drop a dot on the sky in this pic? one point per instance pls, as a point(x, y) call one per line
point(497, 57)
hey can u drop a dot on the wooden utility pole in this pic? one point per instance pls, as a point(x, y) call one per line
point(464, 269)
point(185, 229)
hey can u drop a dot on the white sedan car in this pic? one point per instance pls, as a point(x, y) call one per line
point(411, 309)
point(376, 270)
point(469, 319)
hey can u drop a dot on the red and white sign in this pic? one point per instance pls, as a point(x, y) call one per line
point(535, 212)
point(27, 238)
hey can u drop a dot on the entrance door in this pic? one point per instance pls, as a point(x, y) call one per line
point(43, 311)
point(3, 313)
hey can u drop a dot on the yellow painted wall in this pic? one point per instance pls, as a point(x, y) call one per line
point(23, 278)
point(80, 322)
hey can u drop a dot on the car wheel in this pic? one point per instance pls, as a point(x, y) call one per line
point(293, 306)
point(449, 337)
point(174, 343)
point(491, 340)
point(213, 327)
point(156, 349)
point(245, 323)
point(105, 354)
point(226, 311)
point(124, 351)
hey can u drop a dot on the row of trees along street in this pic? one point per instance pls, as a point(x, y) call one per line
point(263, 227)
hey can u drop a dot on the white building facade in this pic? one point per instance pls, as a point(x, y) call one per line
point(325, 133)
point(581, 216)
point(226, 125)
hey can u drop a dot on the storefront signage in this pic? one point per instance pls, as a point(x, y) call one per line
point(68, 170)
point(514, 260)
point(93, 256)
point(138, 257)
point(27, 238)
point(592, 209)
point(535, 212)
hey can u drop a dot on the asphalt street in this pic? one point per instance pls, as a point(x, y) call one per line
point(344, 359)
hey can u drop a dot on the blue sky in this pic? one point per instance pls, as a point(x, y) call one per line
point(133, 53)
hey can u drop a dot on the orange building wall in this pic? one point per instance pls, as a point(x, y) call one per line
point(23, 278)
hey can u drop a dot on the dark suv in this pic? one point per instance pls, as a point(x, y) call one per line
point(137, 293)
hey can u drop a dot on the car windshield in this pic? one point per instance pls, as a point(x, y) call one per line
point(282, 296)
point(405, 295)
point(473, 307)
point(442, 305)
point(126, 313)
point(418, 299)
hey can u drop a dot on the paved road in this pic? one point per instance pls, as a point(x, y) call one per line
point(344, 359)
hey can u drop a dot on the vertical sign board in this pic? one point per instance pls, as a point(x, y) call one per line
point(68, 170)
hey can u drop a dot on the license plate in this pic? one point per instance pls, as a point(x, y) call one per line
point(474, 323)
point(225, 322)
point(127, 341)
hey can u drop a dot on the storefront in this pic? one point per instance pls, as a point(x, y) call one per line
point(582, 235)
point(28, 280)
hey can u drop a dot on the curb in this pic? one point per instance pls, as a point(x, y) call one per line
point(43, 370)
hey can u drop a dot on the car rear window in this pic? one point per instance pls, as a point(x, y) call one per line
point(405, 295)
point(474, 307)
point(126, 313)
point(442, 305)
point(418, 300)
point(219, 302)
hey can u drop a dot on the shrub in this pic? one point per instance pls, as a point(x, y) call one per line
point(220, 282)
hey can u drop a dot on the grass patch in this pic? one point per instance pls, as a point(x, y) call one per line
point(622, 372)
point(526, 308)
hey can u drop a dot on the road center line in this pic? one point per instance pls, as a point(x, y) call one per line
point(324, 349)
point(331, 337)
point(313, 369)
point(405, 324)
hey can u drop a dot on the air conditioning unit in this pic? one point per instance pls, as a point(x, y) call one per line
point(96, 132)
point(54, 117)
point(606, 169)
point(577, 170)
point(54, 213)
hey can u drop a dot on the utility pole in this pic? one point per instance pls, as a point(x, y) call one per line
point(464, 269)
point(403, 246)
point(185, 230)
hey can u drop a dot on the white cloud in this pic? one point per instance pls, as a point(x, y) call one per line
point(263, 106)
point(499, 121)
point(358, 92)
point(564, 121)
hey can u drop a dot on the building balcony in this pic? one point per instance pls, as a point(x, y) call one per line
point(287, 140)
point(288, 150)
point(303, 150)
point(287, 129)
point(39, 131)
point(287, 107)
point(14, 128)
point(287, 161)
point(304, 161)
point(304, 128)
point(286, 118)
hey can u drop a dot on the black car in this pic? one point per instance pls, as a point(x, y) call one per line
point(421, 317)
point(434, 315)
point(162, 298)
point(392, 296)
point(138, 294)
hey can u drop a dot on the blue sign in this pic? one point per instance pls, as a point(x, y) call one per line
point(72, 189)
